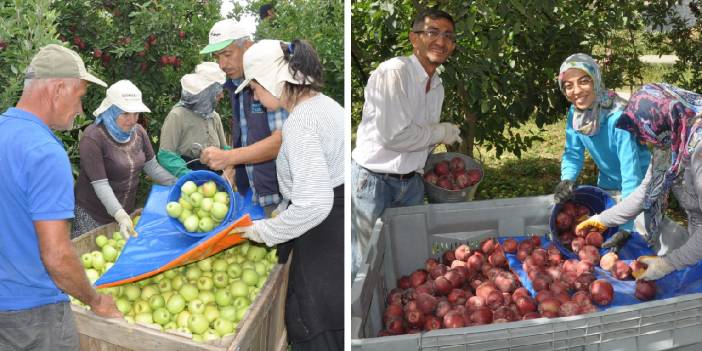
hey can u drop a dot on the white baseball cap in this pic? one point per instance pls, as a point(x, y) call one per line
point(265, 63)
point(125, 95)
point(224, 33)
point(205, 75)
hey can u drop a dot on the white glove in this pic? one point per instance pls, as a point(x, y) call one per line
point(126, 226)
point(657, 267)
point(446, 133)
point(248, 233)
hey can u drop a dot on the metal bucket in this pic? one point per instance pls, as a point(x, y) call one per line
point(438, 194)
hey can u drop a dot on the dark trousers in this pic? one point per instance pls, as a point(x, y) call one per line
point(45, 328)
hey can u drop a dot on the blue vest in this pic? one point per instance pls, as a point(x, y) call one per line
point(265, 176)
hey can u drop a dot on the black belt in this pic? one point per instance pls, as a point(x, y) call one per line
point(397, 176)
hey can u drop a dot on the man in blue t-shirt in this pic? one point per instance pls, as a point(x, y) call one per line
point(38, 264)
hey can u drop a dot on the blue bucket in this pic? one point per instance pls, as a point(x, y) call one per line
point(201, 177)
point(596, 200)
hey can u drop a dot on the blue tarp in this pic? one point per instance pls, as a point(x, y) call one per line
point(159, 241)
point(682, 282)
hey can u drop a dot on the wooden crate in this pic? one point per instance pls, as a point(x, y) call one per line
point(263, 326)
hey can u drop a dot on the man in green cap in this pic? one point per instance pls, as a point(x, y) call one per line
point(256, 132)
point(39, 267)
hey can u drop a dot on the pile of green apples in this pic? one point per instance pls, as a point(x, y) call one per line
point(199, 208)
point(97, 262)
point(206, 299)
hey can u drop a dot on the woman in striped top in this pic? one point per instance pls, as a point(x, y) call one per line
point(310, 220)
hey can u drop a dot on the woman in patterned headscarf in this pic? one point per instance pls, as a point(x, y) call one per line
point(668, 118)
point(590, 126)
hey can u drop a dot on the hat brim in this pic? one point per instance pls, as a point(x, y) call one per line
point(135, 108)
point(93, 79)
point(243, 85)
point(214, 47)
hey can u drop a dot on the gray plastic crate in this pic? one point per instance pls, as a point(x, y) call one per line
point(404, 237)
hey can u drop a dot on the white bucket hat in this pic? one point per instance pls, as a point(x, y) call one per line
point(223, 33)
point(265, 63)
point(205, 75)
point(125, 95)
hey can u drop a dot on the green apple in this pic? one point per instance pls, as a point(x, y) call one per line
point(249, 276)
point(170, 326)
point(238, 288)
point(92, 275)
point(177, 282)
point(206, 204)
point(223, 298)
point(174, 209)
point(188, 187)
point(209, 189)
point(234, 271)
point(272, 256)
point(240, 313)
point(197, 337)
point(182, 318)
point(244, 247)
point(191, 223)
point(220, 279)
point(167, 295)
point(156, 302)
point(210, 335)
point(141, 306)
point(175, 304)
point(109, 253)
point(219, 211)
point(221, 197)
point(247, 265)
point(184, 215)
point(161, 316)
point(100, 240)
point(205, 265)
point(204, 283)
point(228, 313)
point(116, 236)
point(170, 274)
point(211, 313)
point(123, 305)
point(206, 296)
point(196, 199)
point(165, 285)
point(196, 306)
point(189, 292)
point(223, 326)
point(256, 253)
point(87, 260)
point(98, 260)
point(184, 204)
point(193, 273)
point(131, 292)
point(219, 265)
point(148, 291)
point(205, 224)
point(144, 317)
point(260, 268)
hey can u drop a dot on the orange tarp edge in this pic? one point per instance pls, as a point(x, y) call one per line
point(218, 242)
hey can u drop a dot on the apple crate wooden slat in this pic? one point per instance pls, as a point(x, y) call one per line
point(263, 326)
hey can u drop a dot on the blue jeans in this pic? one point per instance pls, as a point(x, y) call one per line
point(371, 194)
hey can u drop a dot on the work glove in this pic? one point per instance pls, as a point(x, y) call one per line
point(445, 133)
point(564, 191)
point(657, 268)
point(616, 241)
point(591, 223)
point(126, 226)
point(248, 233)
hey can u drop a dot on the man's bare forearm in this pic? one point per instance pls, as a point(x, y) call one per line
point(261, 151)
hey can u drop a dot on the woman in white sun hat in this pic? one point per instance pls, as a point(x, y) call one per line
point(310, 167)
point(113, 151)
point(193, 124)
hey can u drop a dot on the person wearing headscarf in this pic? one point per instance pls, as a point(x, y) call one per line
point(193, 124)
point(310, 167)
point(669, 119)
point(590, 125)
point(113, 152)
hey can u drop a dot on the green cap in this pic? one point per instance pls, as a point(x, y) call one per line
point(55, 61)
point(223, 33)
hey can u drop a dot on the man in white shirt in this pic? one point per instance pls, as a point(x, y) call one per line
point(400, 126)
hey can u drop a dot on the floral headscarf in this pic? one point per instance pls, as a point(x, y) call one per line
point(669, 118)
point(587, 121)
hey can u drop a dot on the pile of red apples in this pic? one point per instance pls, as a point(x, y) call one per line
point(452, 175)
point(475, 286)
